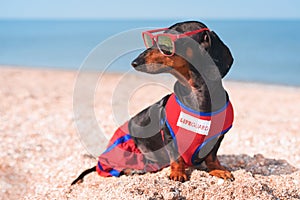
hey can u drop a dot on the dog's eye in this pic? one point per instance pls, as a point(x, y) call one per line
point(165, 44)
point(166, 50)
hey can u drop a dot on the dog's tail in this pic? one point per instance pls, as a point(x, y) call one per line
point(83, 174)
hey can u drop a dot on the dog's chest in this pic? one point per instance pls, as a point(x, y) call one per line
point(191, 130)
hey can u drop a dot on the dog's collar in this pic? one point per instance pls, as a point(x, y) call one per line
point(198, 112)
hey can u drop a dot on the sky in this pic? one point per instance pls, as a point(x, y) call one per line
point(151, 9)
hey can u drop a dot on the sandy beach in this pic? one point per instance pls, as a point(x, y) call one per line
point(42, 152)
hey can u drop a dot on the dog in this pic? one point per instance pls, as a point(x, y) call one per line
point(186, 127)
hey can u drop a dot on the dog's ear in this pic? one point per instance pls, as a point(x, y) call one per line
point(219, 52)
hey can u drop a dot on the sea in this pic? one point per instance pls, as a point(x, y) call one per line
point(266, 51)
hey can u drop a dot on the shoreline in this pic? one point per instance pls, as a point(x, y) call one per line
point(62, 69)
point(42, 151)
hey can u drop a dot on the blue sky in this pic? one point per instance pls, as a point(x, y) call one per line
point(152, 9)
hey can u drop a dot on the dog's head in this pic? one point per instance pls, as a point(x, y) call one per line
point(191, 53)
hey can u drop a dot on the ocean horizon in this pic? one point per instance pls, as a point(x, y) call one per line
point(264, 51)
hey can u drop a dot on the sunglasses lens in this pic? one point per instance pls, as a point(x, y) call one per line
point(148, 40)
point(165, 44)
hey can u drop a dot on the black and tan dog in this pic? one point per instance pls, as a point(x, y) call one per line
point(184, 128)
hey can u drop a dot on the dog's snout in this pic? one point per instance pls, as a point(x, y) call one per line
point(140, 60)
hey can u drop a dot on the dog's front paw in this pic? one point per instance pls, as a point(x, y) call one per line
point(178, 176)
point(224, 174)
point(178, 170)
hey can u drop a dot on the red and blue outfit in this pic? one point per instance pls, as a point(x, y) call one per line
point(194, 134)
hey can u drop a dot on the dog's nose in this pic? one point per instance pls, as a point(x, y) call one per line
point(134, 63)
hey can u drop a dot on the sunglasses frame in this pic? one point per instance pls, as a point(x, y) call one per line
point(173, 37)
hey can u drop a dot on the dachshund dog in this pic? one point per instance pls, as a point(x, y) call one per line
point(186, 127)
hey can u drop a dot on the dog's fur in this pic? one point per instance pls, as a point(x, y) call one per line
point(200, 63)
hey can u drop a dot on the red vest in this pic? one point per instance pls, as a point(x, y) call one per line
point(193, 130)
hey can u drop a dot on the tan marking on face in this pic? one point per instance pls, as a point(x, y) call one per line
point(176, 62)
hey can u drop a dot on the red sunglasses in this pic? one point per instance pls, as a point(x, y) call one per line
point(165, 41)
